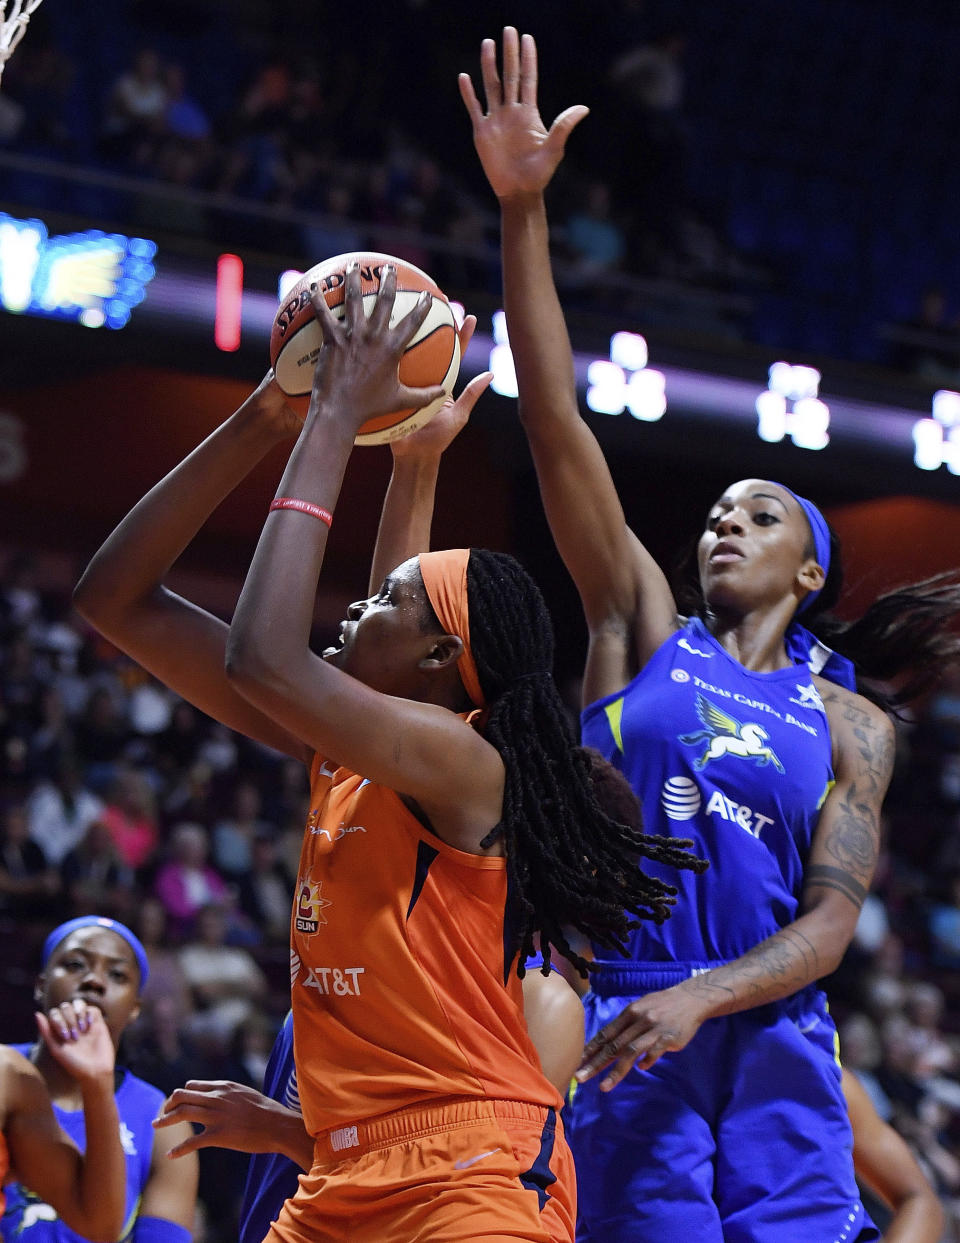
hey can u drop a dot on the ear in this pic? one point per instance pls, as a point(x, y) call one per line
point(811, 576)
point(445, 650)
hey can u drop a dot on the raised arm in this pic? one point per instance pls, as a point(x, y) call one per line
point(87, 1190)
point(122, 591)
point(628, 604)
point(417, 748)
point(407, 512)
point(837, 877)
point(885, 1163)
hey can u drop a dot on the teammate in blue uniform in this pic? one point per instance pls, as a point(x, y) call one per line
point(739, 729)
point(100, 962)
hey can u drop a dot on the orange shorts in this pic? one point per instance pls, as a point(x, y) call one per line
point(458, 1171)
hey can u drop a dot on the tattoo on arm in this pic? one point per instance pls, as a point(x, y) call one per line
point(775, 968)
point(836, 878)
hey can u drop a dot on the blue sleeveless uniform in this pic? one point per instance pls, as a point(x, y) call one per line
point(743, 1136)
point(271, 1177)
point(28, 1219)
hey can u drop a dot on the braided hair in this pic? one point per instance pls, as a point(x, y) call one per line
point(570, 863)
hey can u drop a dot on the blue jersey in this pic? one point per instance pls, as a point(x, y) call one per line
point(272, 1178)
point(28, 1220)
point(738, 761)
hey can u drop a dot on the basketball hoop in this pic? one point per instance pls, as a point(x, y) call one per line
point(12, 27)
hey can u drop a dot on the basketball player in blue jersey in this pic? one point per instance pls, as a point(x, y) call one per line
point(740, 729)
point(100, 962)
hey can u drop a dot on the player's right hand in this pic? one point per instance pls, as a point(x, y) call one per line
point(78, 1037)
point(518, 153)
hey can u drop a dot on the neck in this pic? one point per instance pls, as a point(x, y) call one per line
point(754, 639)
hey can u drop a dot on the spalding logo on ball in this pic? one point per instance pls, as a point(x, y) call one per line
point(432, 357)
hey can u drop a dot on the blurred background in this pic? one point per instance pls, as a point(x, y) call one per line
point(756, 238)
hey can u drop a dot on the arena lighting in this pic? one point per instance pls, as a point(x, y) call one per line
point(790, 406)
point(93, 278)
point(624, 382)
point(226, 326)
point(937, 440)
point(181, 303)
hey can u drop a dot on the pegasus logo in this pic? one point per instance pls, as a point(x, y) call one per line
point(725, 735)
point(688, 647)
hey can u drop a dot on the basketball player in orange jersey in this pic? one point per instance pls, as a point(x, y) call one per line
point(452, 817)
point(86, 1190)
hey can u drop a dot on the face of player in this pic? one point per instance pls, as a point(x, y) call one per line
point(99, 967)
point(385, 638)
point(756, 547)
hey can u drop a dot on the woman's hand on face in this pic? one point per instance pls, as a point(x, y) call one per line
point(357, 371)
point(78, 1038)
point(661, 1022)
point(518, 153)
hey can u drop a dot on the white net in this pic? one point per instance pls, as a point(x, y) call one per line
point(13, 24)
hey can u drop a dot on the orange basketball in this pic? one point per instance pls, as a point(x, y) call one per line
point(432, 357)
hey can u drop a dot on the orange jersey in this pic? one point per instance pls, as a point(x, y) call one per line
point(402, 983)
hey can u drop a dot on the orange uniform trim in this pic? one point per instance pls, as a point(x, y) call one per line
point(444, 576)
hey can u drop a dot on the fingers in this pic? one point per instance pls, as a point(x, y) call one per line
point(528, 71)
point(67, 1021)
point(465, 332)
point(386, 296)
point(193, 1144)
point(492, 89)
point(471, 393)
point(417, 398)
point(511, 65)
point(325, 317)
point(565, 124)
point(469, 97)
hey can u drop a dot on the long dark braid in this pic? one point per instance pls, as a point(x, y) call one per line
point(904, 631)
point(569, 863)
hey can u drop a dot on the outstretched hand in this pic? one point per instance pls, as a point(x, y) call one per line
point(357, 370)
point(77, 1036)
point(518, 153)
point(435, 437)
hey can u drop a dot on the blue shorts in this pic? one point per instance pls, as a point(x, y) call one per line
point(742, 1137)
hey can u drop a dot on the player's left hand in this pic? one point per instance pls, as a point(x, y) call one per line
point(232, 1115)
point(78, 1037)
point(661, 1022)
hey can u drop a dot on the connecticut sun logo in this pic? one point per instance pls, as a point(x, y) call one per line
point(308, 914)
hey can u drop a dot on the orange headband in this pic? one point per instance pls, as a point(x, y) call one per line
point(444, 576)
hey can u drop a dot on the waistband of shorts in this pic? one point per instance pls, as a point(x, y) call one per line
point(448, 1113)
point(616, 978)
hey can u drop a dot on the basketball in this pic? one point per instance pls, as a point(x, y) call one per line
point(432, 357)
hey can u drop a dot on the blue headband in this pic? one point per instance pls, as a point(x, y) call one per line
point(804, 648)
point(821, 541)
point(97, 921)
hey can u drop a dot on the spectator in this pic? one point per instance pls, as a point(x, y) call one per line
point(233, 836)
point(28, 885)
point(266, 889)
point(130, 815)
point(136, 109)
point(226, 984)
point(186, 883)
point(95, 878)
point(61, 811)
point(101, 735)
